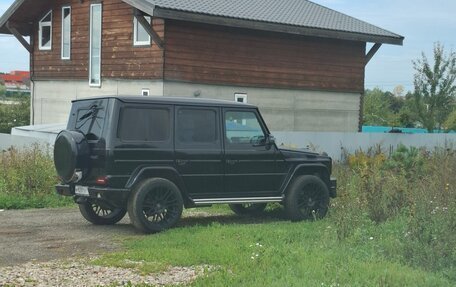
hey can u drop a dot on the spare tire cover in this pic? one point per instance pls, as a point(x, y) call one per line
point(71, 152)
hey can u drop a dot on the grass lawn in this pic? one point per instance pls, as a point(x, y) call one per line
point(271, 251)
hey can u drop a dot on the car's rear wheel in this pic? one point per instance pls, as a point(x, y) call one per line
point(248, 208)
point(101, 214)
point(155, 205)
point(307, 198)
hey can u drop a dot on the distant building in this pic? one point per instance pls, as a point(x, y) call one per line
point(16, 81)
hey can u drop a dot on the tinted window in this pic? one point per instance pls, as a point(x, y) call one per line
point(144, 124)
point(90, 118)
point(197, 126)
point(243, 128)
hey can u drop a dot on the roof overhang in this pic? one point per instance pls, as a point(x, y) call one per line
point(22, 14)
point(273, 27)
point(165, 13)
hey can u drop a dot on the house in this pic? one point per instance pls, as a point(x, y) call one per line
point(303, 64)
point(16, 81)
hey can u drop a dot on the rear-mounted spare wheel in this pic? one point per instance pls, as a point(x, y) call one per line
point(71, 153)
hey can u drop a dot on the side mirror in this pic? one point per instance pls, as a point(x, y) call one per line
point(267, 141)
point(270, 140)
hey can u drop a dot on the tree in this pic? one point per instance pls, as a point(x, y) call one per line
point(376, 108)
point(450, 123)
point(435, 89)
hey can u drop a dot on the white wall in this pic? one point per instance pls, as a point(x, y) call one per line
point(52, 99)
point(285, 109)
point(337, 144)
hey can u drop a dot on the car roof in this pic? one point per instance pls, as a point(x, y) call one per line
point(172, 100)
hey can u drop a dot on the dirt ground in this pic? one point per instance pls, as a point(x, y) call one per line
point(47, 234)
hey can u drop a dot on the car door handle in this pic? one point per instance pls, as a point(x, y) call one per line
point(182, 162)
point(231, 161)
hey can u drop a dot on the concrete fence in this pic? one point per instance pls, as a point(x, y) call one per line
point(19, 142)
point(338, 145)
point(335, 144)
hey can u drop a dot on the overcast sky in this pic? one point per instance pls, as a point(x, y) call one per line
point(421, 22)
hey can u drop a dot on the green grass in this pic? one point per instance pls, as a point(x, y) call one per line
point(50, 200)
point(284, 253)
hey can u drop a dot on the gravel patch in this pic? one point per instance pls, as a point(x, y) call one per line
point(77, 273)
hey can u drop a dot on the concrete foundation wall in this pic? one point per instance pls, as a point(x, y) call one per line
point(285, 110)
point(282, 109)
point(52, 99)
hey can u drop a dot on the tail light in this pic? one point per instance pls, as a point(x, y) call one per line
point(102, 180)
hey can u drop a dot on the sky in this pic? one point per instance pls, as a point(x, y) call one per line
point(421, 22)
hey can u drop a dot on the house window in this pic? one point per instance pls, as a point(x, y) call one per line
point(95, 45)
point(240, 98)
point(45, 32)
point(141, 37)
point(145, 92)
point(66, 33)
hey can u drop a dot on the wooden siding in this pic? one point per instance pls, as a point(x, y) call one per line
point(120, 59)
point(221, 55)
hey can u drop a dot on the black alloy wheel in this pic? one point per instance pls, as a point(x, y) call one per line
point(155, 205)
point(307, 198)
point(101, 214)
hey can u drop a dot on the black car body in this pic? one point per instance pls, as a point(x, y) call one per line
point(115, 149)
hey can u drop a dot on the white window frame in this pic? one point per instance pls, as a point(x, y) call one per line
point(242, 96)
point(136, 25)
point(90, 45)
point(145, 92)
point(69, 31)
point(40, 32)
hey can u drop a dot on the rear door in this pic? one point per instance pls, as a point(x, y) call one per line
point(198, 150)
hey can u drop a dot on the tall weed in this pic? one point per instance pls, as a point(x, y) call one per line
point(412, 187)
point(27, 179)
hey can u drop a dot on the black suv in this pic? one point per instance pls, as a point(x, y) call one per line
point(152, 156)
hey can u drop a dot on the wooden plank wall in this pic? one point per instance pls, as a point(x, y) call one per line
point(221, 55)
point(120, 59)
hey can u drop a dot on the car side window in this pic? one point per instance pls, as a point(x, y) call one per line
point(144, 124)
point(242, 129)
point(197, 127)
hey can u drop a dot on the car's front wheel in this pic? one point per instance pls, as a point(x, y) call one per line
point(248, 208)
point(307, 198)
point(155, 205)
point(101, 214)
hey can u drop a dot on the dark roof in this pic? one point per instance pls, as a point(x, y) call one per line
point(172, 100)
point(304, 17)
point(286, 16)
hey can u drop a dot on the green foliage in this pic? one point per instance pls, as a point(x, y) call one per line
point(393, 224)
point(450, 123)
point(377, 108)
point(383, 108)
point(2, 90)
point(27, 180)
point(13, 115)
point(435, 88)
point(413, 190)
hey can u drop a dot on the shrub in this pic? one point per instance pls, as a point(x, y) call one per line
point(28, 179)
point(14, 115)
point(413, 192)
